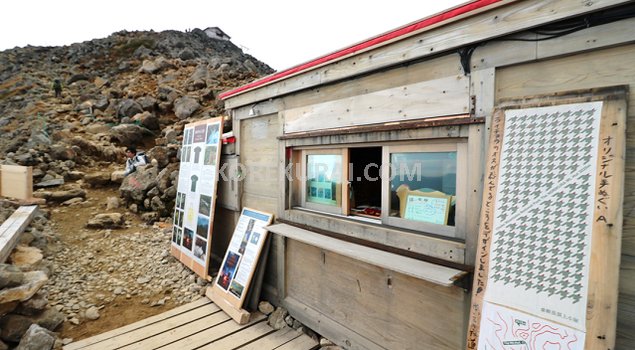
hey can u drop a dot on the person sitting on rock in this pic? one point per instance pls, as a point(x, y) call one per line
point(57, 87)
point(134, 160)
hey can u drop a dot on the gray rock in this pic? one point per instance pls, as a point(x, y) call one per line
point(62, 152)
point(147, 120)
point(276, 319)
point(185, 106)
point(112, 203)
point(50, 319)
point(117, 176)
point(10, 276)
point(37, 338)
point(128, 134)
point(150, 217)
point(98, 179)
point(265, 307)
point(136, 185)
point(187, 54)
point(157, 205)
point(31, 283)
point(107, 220)
point(14, 326)
point(148, 103)
point(128, 108)
point(92, 313)
point(49, 183)
point(61, 196)
point(34, 306)
point(153, 67)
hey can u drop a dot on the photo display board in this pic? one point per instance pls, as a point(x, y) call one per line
point(552, 192)
point(196, 194)
point(239, 264)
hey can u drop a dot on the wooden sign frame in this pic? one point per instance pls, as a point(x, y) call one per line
point(606, 230)
point(231, 287)
point(196, 195)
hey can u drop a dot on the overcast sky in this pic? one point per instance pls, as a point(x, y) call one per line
point(280, 33)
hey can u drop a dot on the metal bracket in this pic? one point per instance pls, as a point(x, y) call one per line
point(466, 56)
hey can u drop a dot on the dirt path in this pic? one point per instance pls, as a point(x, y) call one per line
point(120, 275)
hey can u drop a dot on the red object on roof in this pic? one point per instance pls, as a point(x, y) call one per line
point(363, 45)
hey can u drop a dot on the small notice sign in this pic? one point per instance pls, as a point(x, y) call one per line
point(431, 209)
point(239, 264)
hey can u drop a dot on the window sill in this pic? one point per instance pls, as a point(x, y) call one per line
point(426, 271)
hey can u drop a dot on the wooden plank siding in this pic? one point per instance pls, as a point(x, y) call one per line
point(372, 300)
point(440, 97)
point(608, 67)
point(259, 156)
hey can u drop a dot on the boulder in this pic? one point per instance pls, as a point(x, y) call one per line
point(92, 313)
point(128, 108)
point(36, 338)
point(147, 120)
point(77, 77)
point(265, 307)
point(62, 152)
point(32, 282)
point(128, 134)
point(97, 128)
point(185, 106)
point(61, 196)
point(112, 203)
point(8, 307)
point(161, 154)
point(148, 103)
point(34, 306)
point(150, 218)
point(26, 257)
point(98, 179)
point(107, 220)
point(136, 185)
point(10, 276)
point(117, 176)
point(50, 319)
point(14, 327)
point(155, 66)
point(276, 319)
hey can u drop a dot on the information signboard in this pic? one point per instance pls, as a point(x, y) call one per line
point(196, 194)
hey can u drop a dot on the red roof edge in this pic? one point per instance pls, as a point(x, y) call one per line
point(443, 16)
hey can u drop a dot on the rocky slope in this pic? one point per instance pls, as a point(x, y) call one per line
point(105, 266)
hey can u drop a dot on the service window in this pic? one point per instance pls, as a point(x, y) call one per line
point(417, 186)
point(424, 187)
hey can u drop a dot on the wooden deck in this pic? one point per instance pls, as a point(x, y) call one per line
point(198, 325)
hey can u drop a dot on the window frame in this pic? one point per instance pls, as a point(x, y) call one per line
point(460, 218)
point(458, 145)
point(342, 208)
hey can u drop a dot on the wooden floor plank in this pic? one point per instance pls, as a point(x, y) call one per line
point(180, 332)
point(273, 340)
point(211, 334)
point(156, 328)
point(133, 326)
point(303, 342)
point(244, 336)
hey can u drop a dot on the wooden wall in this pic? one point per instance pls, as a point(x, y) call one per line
point(389, 309)
point(259, 157)
point(614, 66)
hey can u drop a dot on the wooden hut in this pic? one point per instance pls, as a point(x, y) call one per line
point(348, 257)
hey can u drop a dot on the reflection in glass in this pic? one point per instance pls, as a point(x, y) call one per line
point(423, 186)
point(324, 179)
